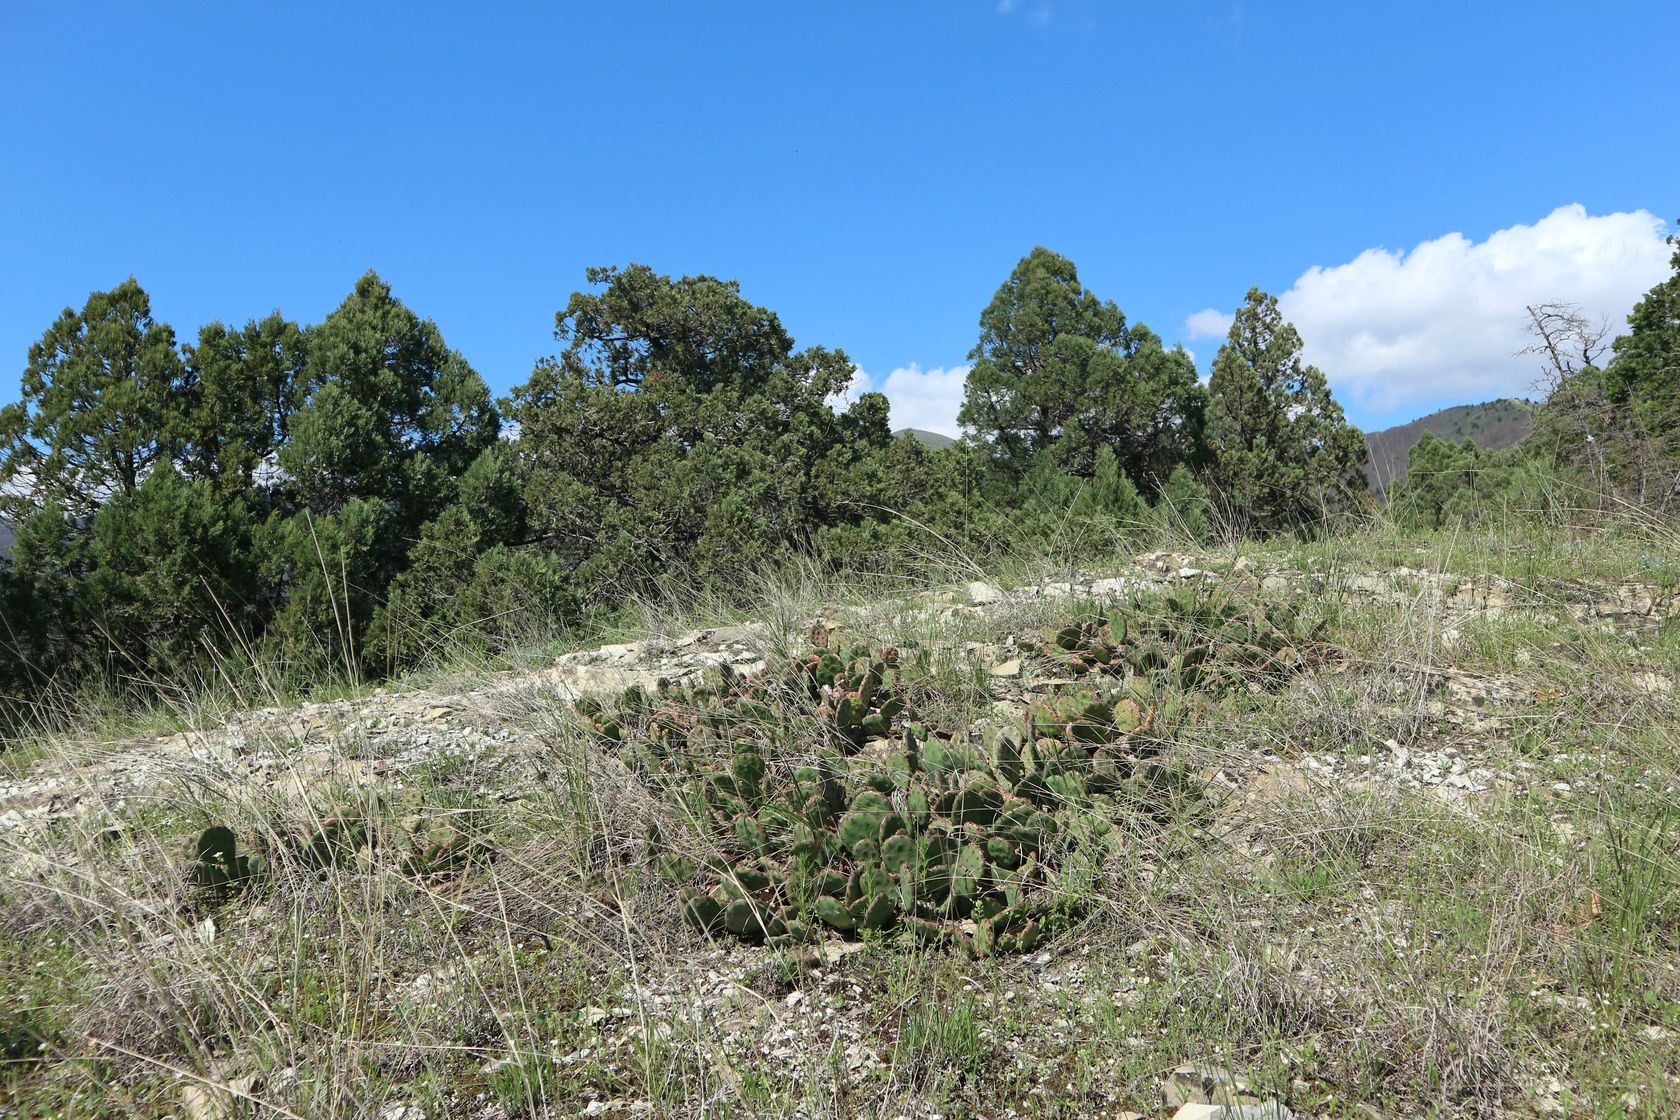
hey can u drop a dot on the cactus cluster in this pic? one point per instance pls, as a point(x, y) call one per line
point(966, 840)
point(854, 691)
point(426, 848)
point(217, 865)
point(434, 850)
point(336, 838)
point(1190, 644)
point(721, 703)
point(940, 839)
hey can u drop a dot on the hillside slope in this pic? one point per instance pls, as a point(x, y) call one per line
point(933, 441)
point(1399, 841)
point(1493, 425)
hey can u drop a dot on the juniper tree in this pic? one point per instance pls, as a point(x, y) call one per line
point(1058, 373)
point(100, 405)
point(680, 432)
point(243, 386)
point(1280, 451)
point(388, 417)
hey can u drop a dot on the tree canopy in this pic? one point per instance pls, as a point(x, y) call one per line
point(1280, 452)
point(1058, 374)
point(680, 431)
point(98, 407)
point(342, 496)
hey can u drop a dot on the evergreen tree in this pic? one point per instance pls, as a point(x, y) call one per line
point(1058, 374)
point(101, 404)
point(1458, 483)
point(1646, 368)
point(41, 636)
point(467, 581)
point(329, 573)
point(379, 376)
point(1631, 408)
point(243, 387)
point(388, 418)
point(172, 575)
point(1281, 453)
point(680, 432)
point(1184, 505)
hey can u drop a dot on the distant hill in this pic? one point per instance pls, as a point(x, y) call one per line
point(6, 538)
point(931, 440)
point(1493, 426)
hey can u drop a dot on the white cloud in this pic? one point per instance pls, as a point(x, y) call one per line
point(1038, 15)
point(1208, 323)
point(921, 398)
point(1445, 320)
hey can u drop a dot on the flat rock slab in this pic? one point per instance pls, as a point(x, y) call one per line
point(682, 660)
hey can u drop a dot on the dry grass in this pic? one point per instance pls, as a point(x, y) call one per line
point(1356, 942)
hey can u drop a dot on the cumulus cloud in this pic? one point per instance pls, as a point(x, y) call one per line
point(1208, 323)
point(1445, 320)
point(920, 398)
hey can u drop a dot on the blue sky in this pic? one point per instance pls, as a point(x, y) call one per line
point(869, 171)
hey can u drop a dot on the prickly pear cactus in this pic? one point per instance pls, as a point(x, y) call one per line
point(436, 850)
point(942, 840)
point(720, 705)
point(855, 694)
point(336, 839)
point(217, 865)
point(1192, 643)
point(962, 839)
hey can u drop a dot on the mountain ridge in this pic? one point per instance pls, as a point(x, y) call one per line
point(1492, 425)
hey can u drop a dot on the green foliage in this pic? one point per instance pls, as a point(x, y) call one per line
point(1184, 504)
point(147, 587)
point(1190, 643)
point(389, 417)
point(679, 432)
point(455, 591)
point(1280, 452)
point(267, 489)
point(913, 501)
point(426, 411)
point(218, 867)
point(334, 455)
point(41, 634)
point(172, 571)
point(1642, 373)
point(97, 409)
point(1110, 494)
point(469, 579)
point(242, 387)
point(1058, 375)
point(1448, 483)
point(1617, 425)
point(329, 570)
point(936, 837)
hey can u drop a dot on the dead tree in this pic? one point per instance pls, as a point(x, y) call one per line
point(1569, 346)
